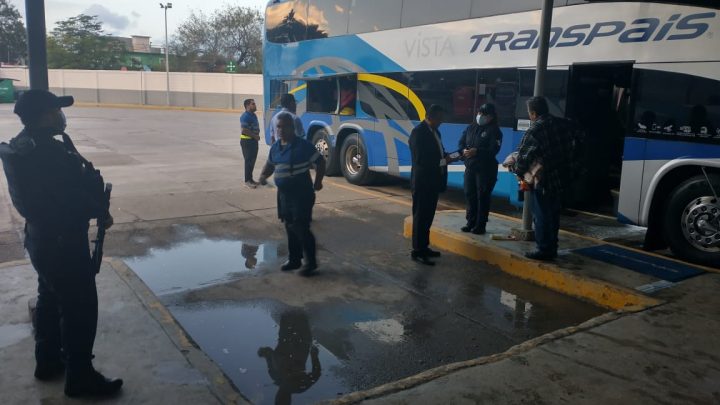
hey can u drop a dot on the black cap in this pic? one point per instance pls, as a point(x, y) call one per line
point(488, 109)
point(34, 103)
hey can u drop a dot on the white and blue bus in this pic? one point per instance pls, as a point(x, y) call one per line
point(642, 78)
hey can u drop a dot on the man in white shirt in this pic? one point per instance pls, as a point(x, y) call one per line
point(288, 104)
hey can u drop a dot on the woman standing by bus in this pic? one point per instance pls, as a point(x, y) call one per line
point(479, 144)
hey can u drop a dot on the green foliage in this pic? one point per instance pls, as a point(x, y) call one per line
point(80, 43)
point(208, 43)
point(13, 45)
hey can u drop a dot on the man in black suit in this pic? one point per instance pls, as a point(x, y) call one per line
point(428, 180)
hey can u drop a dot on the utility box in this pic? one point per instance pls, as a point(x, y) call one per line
point(7, 90)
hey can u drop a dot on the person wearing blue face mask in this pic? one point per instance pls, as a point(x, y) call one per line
point(479, 145)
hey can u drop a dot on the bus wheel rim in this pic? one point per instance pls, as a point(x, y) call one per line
point(322, 146)
point(700, 223)
point(353, 160)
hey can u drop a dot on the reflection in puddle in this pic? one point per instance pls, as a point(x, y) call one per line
point(199, 263)
point(270, 355)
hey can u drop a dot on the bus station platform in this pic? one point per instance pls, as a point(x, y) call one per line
point(137, 340)
point(606, 274)
point(657, 344)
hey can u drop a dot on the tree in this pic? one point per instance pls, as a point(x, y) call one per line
point(12, 34)
point(80, 43)
point(208, 43)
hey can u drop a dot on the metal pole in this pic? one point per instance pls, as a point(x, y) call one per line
point(167, 60)
point(37, 50)
point(527, 233)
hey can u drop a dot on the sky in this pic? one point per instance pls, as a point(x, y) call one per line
point(134, 17)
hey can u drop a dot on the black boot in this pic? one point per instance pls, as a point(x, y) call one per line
point(479, 230)
point(49, 370)
point(309, 269)
point(291, 265)
point(91, 384)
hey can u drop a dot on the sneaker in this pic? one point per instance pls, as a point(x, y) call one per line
point(466, 228)
point(251, 184)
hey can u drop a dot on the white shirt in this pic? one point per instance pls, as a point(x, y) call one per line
point(299, 130)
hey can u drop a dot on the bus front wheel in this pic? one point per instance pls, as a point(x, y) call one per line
point(321, 141)
point(354, 161)
point(692, 220)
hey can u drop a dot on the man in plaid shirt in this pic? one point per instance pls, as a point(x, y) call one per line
point(549, 142)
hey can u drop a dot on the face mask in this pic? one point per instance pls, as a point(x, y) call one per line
point(482, 120)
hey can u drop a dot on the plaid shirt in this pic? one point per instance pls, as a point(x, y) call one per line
point(550, 141)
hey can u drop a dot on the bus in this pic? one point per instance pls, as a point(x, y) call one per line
point(641, 77)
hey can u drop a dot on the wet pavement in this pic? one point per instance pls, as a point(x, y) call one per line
point(210, 249)
point(282, 338)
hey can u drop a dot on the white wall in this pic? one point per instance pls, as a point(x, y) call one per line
point(218, 90)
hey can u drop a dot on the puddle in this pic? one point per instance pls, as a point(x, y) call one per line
point(199, 262)
point(283, 339)
point(276, 354)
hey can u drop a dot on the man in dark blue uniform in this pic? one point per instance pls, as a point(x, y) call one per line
point(58, 192)
point(249, 138)
point(480, 143)
point(290, 160)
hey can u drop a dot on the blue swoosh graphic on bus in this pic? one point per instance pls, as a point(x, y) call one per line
point(289, 56)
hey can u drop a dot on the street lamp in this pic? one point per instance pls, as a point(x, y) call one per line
point(167, 54)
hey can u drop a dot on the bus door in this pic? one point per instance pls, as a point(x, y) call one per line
point(598, 100)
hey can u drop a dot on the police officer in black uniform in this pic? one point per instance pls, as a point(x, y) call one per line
point(479, 144)
point(58, 192)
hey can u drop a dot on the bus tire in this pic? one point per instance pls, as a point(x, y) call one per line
point(321, 141)
point(354, 161)
point(691, 221)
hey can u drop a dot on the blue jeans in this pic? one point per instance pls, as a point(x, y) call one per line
point(546, 217)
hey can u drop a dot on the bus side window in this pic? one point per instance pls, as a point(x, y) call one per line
point(277, 89)
point(556, 85)
point(287, 22)
point(453, 90)
point(684, 107)
point(348, 95)
point(327, 18)
point(370, 16)
point(322, 95)
point(499, 87)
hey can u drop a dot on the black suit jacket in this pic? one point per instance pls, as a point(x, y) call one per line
point(427, 174)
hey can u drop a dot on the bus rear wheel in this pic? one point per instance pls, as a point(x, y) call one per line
point(354, 161)
point(692, 221)
point(321, 141)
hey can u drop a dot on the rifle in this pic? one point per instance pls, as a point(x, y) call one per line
point(99, 241)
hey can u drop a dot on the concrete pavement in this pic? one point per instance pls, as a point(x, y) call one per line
point(177, 173)
point(665, 355)
point(137, 340)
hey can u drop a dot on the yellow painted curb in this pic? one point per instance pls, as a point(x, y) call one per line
point(547, 275)
point(158, 107)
